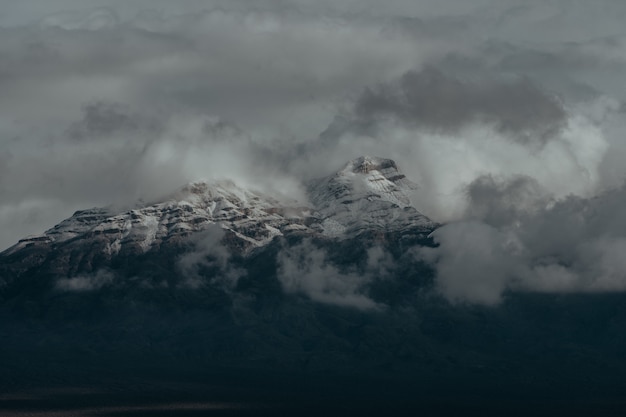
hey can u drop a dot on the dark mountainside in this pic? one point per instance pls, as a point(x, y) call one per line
point(158, 302)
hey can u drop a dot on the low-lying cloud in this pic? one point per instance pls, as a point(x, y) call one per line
point(82, 283)
point(208, 262)
point(570, 245)
point(304, 269)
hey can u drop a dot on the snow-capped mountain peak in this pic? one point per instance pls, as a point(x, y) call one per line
point(369, 192)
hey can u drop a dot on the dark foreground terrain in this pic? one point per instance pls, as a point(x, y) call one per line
point(127, 349)
point(535, 355)
point(233, 392)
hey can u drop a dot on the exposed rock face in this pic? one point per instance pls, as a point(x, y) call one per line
point(367, 195)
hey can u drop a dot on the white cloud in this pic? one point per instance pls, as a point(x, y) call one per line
point(304, 269)
point(572, 245)
point(209, 261)
point(86, 282)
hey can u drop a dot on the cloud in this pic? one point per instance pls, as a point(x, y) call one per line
point(82, 283)
point(474, 262)
point(569, 245)
point(434, 100)
point(498, 202)
point(209, 262)
point(98, 19)
point(305, 269)
point(106, 120)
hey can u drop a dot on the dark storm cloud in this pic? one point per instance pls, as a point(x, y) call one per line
point(577, 70)
point(499, 203)
point(103, 120)
point(434, 100)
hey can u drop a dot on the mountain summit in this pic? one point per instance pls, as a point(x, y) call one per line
point(368, 193)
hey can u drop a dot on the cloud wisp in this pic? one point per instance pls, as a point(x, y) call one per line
point(84, 283)
point(209, 262)
point(304, 269)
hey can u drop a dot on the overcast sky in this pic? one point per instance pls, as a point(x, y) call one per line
point(505, 112)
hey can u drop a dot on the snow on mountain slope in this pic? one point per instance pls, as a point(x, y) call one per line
point(367, 194)
point(253, 217)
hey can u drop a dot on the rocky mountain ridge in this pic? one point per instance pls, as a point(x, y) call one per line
point(368, 194)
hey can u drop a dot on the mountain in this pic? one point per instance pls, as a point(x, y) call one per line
point(215, 258)
point(368, 195)
point(241, 291)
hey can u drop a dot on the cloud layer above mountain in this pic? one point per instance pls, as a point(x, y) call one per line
point(509, 114)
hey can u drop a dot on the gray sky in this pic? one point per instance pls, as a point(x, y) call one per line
point(503, 111)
